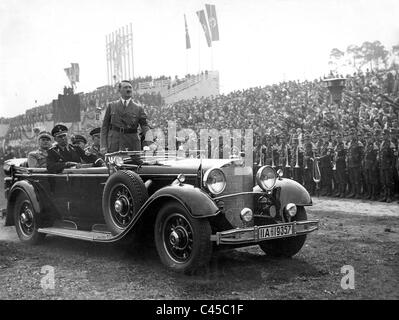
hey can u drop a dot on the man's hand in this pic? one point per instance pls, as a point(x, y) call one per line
point(103, 150)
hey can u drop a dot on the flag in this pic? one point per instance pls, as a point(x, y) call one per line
point(75, 71)
point(68, 72)
point(188, 44)
point(204, 24)
point(213, 21)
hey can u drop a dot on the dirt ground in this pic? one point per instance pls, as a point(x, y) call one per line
point(359, 233)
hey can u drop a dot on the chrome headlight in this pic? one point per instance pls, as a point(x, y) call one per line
point(291, 209)
point(266, 178)
point(215, 181)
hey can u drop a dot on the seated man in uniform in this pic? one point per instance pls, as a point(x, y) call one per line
point(37, 158)
point(79, 141)
point(95, 147)
point(64, 155)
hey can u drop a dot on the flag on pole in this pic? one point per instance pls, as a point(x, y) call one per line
point(188, 43)
point(213, 21)
point(204, 24)
point(75, 71)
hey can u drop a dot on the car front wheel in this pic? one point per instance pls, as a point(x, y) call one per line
point(286, 247)
point(183, 242)
point(27, 221)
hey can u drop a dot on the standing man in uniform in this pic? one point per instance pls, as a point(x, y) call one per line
point(387, 151)
point(121, 119)
point(38, 158)
point(355, 156)
point(309, 183)
point(371, 169)
point(340, 167)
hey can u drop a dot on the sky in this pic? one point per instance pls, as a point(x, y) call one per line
point(261, 41)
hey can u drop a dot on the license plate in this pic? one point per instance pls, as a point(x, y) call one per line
point(275, 231)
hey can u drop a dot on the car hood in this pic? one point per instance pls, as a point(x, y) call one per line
point(189, 165)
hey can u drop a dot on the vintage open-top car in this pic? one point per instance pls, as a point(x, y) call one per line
point(191, 206)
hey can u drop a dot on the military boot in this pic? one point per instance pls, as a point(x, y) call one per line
point(358, 193)
point(384, 196)
point(389, 195)
point(374, 193)
point(342, 190)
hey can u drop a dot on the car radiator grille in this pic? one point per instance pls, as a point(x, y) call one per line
point(239, 179)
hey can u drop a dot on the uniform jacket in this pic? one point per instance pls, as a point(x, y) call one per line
point(355, 154)
point(387, 155)
point(37, 159)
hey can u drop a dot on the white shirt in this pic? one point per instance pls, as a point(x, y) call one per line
point(127, 101)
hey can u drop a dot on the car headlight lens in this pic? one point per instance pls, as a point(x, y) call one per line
point(291, 209)
point(246, 214)
point(215, 181)
point(266, 178)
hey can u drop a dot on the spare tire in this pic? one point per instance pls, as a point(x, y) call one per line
point(123, 196)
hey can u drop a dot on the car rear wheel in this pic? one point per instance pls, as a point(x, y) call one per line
point(183, 242)
point(286, 247)
point(123, 196)
point(27, 221)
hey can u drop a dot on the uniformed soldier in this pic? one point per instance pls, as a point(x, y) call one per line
point(355, 156)
point(94, 149)
point(387, 151)
point(371, 168)
point(79, 141)
point(121, 121)
point(340, 167)
point(326, 169)
point(38, 158)
point(64, 155)
point(308, 165)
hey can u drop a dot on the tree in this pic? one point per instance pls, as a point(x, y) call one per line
point(356, 53)
point(374, 52)
point(335, 57)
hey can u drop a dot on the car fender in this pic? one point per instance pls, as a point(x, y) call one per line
point(21, 186)
point(197, 203)
point(291, 192)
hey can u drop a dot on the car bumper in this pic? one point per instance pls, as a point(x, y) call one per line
point(265, 232)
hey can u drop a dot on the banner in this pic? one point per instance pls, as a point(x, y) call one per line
point(204, 24)
point(188, 44)
point(213, 21)
point(73, 73)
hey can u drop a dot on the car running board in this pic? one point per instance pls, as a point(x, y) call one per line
point(77, 234)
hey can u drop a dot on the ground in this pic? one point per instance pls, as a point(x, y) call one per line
point(362, 234)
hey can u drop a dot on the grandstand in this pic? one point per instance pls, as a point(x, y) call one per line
point(20, 132)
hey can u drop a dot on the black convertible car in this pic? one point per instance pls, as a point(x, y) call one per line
point(190, 206)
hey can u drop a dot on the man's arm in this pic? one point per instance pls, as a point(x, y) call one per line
point(146, 139)
point(105, 128)
point(90, 158)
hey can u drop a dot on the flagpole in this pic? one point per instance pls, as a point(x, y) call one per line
point(131, 34)
point(199, 50)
